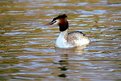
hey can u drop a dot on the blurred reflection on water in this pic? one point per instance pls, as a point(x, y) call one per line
point(27, 51)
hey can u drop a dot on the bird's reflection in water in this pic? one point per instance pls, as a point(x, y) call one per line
point(63, 62)
point(64, 59)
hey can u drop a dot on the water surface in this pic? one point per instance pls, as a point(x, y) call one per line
point(27, 51)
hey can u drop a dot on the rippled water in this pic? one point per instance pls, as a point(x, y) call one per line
point(27, 51)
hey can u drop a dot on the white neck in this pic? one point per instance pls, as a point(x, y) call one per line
point(61, 40)
point(63, 34)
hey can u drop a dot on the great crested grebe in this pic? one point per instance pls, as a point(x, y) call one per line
point(65, 39)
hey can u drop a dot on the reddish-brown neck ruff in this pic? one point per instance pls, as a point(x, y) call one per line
point(63, 24)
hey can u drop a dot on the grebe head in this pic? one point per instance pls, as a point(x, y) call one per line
point(61, 21)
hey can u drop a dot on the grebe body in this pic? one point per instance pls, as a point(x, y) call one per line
point(65, 39)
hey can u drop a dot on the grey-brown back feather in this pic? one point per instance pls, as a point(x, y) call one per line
point(75, 35)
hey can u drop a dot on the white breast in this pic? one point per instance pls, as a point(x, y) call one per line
point(61, 42)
